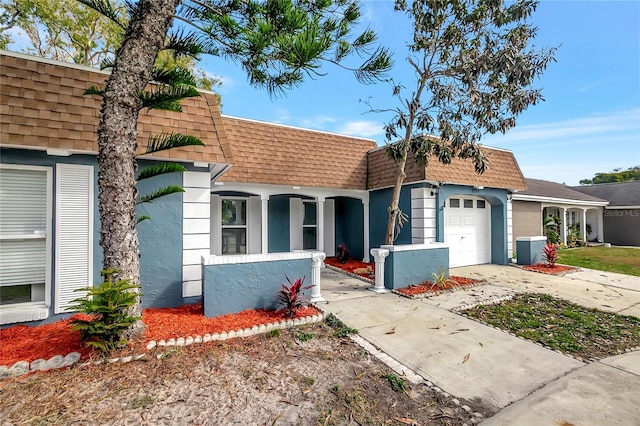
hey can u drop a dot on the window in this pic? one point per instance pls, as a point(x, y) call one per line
point(454, 203)
point(310, 226)
point(24, 235)
point(468, 204)
point(480, 204)
point(234, 226)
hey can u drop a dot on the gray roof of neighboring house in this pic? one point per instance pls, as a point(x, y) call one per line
point(544, 188)
point(617, 193)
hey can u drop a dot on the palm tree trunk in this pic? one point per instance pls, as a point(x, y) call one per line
point(117, 134)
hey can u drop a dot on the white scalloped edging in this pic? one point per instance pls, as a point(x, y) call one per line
point(492, 301)
point(21, 368)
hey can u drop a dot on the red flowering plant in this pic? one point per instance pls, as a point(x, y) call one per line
point(292, 298)
point(550, 252)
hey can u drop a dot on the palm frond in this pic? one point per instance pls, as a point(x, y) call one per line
point(143, 218)
point(171, 140)
point(173, 77)
point(105, 8)
point(184, 43)
point(160, 169)
point(107, 62)
point(167, 190)
point(167, 98)
point(93, 90)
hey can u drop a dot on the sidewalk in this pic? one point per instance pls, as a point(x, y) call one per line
point(479, 363)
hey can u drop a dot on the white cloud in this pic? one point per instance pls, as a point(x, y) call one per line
point(318, 122)
point(282, 116)
point(590, 86)
point(597, 124)
point(362, 128)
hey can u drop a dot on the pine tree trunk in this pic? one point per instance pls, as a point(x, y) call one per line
point(117, 134)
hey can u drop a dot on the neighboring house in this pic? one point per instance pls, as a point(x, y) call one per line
point(543, 199)
point(622, 215)
point(451, 204)
point(256, 188)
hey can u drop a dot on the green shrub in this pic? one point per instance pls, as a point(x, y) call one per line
point(108, 304)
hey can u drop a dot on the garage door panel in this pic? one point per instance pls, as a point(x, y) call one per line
point(468, 232)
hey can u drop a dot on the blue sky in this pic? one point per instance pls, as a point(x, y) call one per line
point(589, 122)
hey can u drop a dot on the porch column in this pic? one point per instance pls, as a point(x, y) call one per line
point(265, 224)
point(316, 264)
point(365, 209)
point(563, 225)
point(600, 232)
point(379, 255)
point(583, 225)
point(320, 233)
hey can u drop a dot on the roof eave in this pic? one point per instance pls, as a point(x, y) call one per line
point(543, 199)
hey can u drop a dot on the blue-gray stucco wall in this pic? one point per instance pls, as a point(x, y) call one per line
point(379, 201)
point(160, 238)
point(278, 228)
point(232, 288)
point(404, 268)
point(161, 243)
point(498, 200)
point(349, 225)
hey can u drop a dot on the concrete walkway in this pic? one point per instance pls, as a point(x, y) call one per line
point(482, 364)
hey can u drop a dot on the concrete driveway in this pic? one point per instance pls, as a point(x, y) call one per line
point(478, 363)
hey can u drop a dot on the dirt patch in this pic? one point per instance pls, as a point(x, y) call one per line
point(302, 376)
point(429, 288)
point(549, 269)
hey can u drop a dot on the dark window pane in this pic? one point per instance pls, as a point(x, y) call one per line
point(234, 212)
point(468, 204)
point(15, 294)
point(310, 211)
point(309, 238)
point(234, 241)
point(454, 202)
point(480, 204)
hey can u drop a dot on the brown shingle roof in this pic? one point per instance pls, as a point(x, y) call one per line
point(503, 171)
point(282, 155)
point(43, 106)
point(545, 188)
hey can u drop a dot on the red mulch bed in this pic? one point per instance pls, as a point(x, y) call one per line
point(24, 343)
point(351, 266)
point(548, 269)
point(429, 287)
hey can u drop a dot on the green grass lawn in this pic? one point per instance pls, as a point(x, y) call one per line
point(562, 325)
point(610, 259)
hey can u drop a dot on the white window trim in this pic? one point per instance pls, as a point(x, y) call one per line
point(315, 204)
point(246, 226)
point(35, 310)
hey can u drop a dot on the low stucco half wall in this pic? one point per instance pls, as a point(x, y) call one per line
point(233, 284)
point(414, 263)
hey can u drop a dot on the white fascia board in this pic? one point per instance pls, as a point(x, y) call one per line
point(541, 199)
point(265, 190)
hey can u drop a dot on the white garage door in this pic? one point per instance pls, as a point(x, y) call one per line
point(467, 230)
